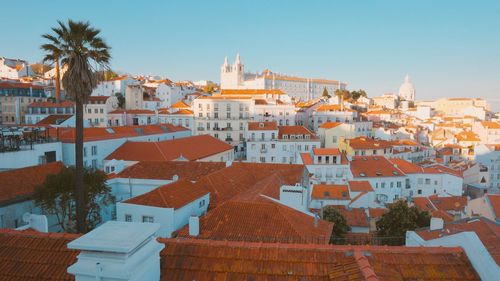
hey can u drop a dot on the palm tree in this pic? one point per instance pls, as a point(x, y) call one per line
point(78, 46)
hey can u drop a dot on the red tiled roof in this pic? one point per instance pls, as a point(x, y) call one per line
point(491, 125)
point(31, 255)
point(306, 158)
point(251, 92)
point(132, 111)
point(173, 195)
point(37, 256)
point(97, 99)
point(183, 111)
point(10, 85)
point(261, 221)
point(191, 148)
point(180, 104)
point(488, 231)
point(331, 191)
point(262, 126)
point(19, 184)
point(249, 180)
point(494, 200)
point(295, 130)
point(360, 186)
point(377, 212)
point(326, 151)
point(260, 102)
point(96, 134)
point(53, 119)
point(373, 166)
point(355, 216)
point(368, 143)
point(467, 136)
point(52, 104)
point(329, 125)
point(188, 170)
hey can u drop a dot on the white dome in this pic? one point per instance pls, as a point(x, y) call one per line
point(407, 90)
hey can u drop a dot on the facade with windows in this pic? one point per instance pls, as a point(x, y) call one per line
point(226, 115)
point(269, 143)
point(97, 108)
point(170, 216)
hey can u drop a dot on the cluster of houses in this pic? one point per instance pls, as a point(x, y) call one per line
point(251, 166)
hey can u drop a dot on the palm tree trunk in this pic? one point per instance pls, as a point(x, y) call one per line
point(58, 82)
point(79, 187)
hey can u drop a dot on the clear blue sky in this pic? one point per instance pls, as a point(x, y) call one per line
point(450, 48)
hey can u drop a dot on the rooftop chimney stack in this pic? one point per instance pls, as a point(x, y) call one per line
point(118, 251)
point(194, 226)
point(436, 223)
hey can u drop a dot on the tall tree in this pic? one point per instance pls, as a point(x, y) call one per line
point(399, 219)
point(56, 197)
point(79, 47)
point(355, 95)
point(52, 55)
point(343, 95)
point(325, 93)
point(340, 227)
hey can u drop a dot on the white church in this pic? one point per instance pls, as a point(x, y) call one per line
point(407, 90)
point(234, 77)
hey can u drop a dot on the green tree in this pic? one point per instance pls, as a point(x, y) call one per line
point(121, 99)
point(325, 93)
point(355, 95)
point(340, 227)
point(209, 88)
point(79, 46)
point(56, 197)
point(399, 219)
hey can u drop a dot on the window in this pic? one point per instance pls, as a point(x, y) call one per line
point(262, 159)
point(84, 152)
point(94, 163)
point(420, 181)
point(148, 219)
point(273, 145)
point(334, 139)
point(398, 184)
point(94, 150)
point(382, 184)
point(427, 181)
point(128, 217)
point(202, 203)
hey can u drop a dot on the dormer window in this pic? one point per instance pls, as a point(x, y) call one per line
point(378, 174)
point(362, 174)
point(261, 125)
point(285, 137)
point(307, 137)
point(326, 194)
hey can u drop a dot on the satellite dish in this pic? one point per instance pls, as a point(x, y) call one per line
point(26, 217)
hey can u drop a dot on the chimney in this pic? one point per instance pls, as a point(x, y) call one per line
point(436, 223)
point(194, 226)
point(229, 163)
point(119, 251)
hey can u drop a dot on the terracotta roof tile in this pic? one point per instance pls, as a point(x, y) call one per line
point(67, 135)
point(29, 255)
point(295, 130)
point(360, 186)
point(19, 184)
point(53, 119)
point(368, 143)
point(52, 104)
point(132, 111)
point(329, 125)
point(180, 104)
point(355, 216)
point(251, 92)
point(326, 151)
point(331, 191)
point(264, 221)
point(262, 126)
point(173, 195)
point(494, 200)
point(488, 231)
point(373, 166)
point(190, 148)
point(188, 170)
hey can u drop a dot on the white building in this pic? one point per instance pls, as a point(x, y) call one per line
point(113, 86)
point(407, 90)
point(97, 108)
point(327, 165)
point(235, 77)
point(489, 157)
point(101, 142)
point(15, 68)
point(331, 113)
point(425, 181)
point(225, 115)
point(269, 143)
point(179, 201)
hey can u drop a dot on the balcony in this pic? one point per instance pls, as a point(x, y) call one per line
point(229, 139)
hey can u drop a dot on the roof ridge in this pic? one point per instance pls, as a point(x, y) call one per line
point(365, 266)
